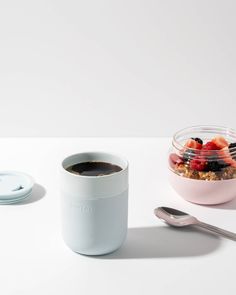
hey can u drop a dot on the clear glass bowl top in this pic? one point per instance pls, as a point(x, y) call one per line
point(204, 153)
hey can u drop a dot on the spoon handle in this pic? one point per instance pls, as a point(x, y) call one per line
point(217, 230)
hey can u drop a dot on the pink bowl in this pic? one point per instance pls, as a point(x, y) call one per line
point(203, 192)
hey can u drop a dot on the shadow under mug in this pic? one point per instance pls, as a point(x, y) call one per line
point(94, 208)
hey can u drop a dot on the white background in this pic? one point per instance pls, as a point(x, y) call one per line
point(155, 258)
point(115, 68)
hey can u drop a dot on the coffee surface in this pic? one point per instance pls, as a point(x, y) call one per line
point(94, 168)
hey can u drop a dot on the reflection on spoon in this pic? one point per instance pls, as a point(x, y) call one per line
point(179, 219)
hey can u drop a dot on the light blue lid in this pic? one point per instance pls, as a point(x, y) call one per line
point(14, 186)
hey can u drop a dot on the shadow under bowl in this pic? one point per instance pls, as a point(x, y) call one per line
point(203, 192)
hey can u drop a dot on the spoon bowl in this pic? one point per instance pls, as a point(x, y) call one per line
point(175, 217)
point(178, 218)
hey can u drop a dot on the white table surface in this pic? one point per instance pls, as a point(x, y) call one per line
point(155, 259)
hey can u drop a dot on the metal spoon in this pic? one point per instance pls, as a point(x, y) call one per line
point(179, 219)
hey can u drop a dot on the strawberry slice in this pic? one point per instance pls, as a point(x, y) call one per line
point(220, 142)
point(193, 144)
point(174, 159)
point(233, 163)
point(224, 154)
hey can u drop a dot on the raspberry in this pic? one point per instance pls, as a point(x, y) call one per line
point(210, 146)
point(198, 164)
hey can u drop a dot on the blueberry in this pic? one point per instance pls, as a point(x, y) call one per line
point(197, 139)
point(188, 155)
point(216, 166)
point(232, 150)
point(213, 166)
point(232, 145)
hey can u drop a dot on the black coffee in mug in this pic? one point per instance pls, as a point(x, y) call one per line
point(94, 168)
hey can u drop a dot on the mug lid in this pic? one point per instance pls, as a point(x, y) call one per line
point(14, 186)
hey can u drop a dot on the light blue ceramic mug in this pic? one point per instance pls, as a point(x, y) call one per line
point(94, 208)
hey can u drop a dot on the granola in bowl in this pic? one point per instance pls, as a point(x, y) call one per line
point(212, 160)
point(202, 164)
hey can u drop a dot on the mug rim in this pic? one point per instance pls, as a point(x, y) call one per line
point(126, 162)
